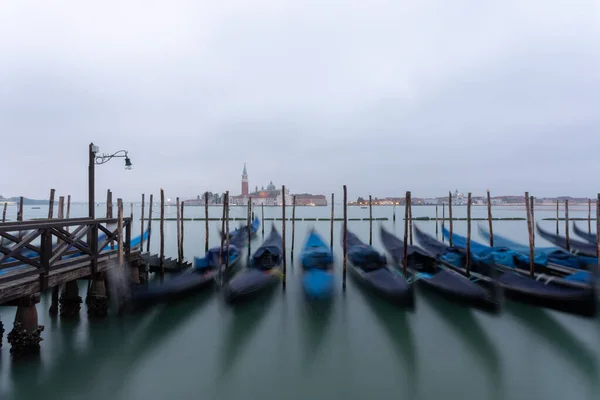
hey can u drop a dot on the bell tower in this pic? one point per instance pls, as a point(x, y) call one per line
point(244, 181)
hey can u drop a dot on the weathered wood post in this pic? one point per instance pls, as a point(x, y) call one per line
point(68, 206)
point(142, 224)
point(70, 301)
point(120, 228)
point(436, 222)
point(206, 222)
point(223, 218)
point(567, 225)
point(331, 222)
point(530, 229)
point(162, 234)
point(26, 334)
point(394, 213)
point(595, 274)
point(410, 221)
point(249, 222)
point(443, 218)
point(2, 238)
point(178, 219)
point(182, 231)
point(531, 211)
point(20, 212)
point(54, 301)
point(149, 223)
point(590, 216)
point(370, 221)
point(406, 217)
point(262, 221)
point(293, 227)
point(96, 298)
point(227, 238)
point(557, 232)
point(50, 205)
point(490, 223)
point(344, 240)
point(450, 216)
point(468, 234)
point(283, 235)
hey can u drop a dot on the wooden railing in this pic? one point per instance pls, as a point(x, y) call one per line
point(59, 244)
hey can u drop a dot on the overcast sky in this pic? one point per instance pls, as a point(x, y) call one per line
point(383, 96)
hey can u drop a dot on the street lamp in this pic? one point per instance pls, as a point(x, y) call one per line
point(95, 159)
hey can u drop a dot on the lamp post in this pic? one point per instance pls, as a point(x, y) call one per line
point(95, 159)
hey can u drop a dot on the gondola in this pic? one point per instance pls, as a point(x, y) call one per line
point(435, 277)
point(316, 259)
point(211, 260)
point(254, 225)
point(370, 269)
point(588, 236)
point(262, 273)
point(575, 246)
point(543, 291)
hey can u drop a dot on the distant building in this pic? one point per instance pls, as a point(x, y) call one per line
point(271, 196)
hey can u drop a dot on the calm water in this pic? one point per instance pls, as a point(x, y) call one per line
point(280, 348)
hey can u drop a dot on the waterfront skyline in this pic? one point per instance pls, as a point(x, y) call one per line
point(415, 96)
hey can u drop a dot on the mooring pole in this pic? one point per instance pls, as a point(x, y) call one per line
point(225, 215)
point(345, 238)
point(370, 221)
point(283, 235)
point(405, 247)
point(162, 234)
point(227, 238)
point(293, 227)
point(490, 224)
point(530, 229)
point(142, 224)
point(331, 230)
point(206, 222)
point(450, 216)
point(567, 225)
point(149, 223)
point(468, 234)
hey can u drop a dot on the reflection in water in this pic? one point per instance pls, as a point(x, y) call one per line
point(394, 321)
point(114, 347)
point(316, 318)
point(245, 318)
point(466, 326)
point(549, 329)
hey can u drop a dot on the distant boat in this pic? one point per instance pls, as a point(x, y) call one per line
point(364, 207)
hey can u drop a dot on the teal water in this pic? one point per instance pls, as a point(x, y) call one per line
point(280, 348)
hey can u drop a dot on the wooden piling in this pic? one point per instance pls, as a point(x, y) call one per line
point(227, 238)
point(149, 223)
point(248, 223)
point(436, 222)
point(262, 221)
point(589, 216)
point(293, 227)
point(567, 225)
point(410, 221)
point(182, 230)
point(443, 218)
point(345, 244)
point(394, 213)
point(142, 224)
point(405, 247)
point(283, 235)
point(3, 221)
point(225, 209)
point(51, 204)
point(531, 211)
point(557, 230)
point(468, 263)
point(595, 275)
point(20, 211)
point(120, 228)
point(450, 216)
point(178, 222)
point(331, 226)
point(68, 206)
point(529, 231)
point(490, 224)
point(206, 222)
point(109, 204)
point(162, 234)
point(370, 221)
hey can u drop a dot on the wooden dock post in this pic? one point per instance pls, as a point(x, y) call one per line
point(589, 216)
point(283, 235)
point(531, 211)
point(331, 222)
point(557, 232)
point(68, 206)
point(142, 224)
point(530, 229)
point(370, 221)
point(149, 223)
point(206, 222)
point(20, 211)
point(450, 216)
point(345, 244)
point(178, 219)
point(3, 221)
point(25, 336)
point(182, 231)
point(443, 218)
point(109, 204)
point(410, 221)
point(468, 234)
point(51, 204)
point(394, 213)
point(162, 234)
point(595, 275)
point(70, 301)
point(227, 238)
point(407, 202)
point(120, 228)
point(293, 228)
point(436, 222)
point(248, 223)
point(225, 210)
point(54, 301)
point(567, 225)
point(262, 220)
point(490, 223)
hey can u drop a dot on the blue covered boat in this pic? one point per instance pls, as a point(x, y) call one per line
point(434, 276)
point(254, 225)
point(370, 269)
point(316, 259)
point(262, 273)
point(588, 236)
point(542, 290)
point(575, 246)
point(216, 258)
